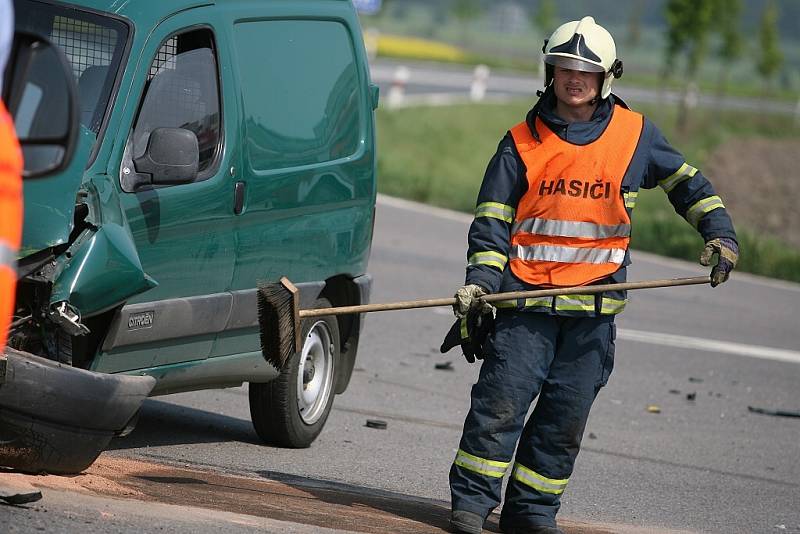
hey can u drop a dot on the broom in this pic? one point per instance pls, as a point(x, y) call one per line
point(279, 314)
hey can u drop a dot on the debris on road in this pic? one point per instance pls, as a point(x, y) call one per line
point(695, 380)
point(652, 408)
point(592, 435)
point(18, 492)
point(691, 396)
point(445, 366)
point(376, 423)
point(675, 391)
point(776, 413)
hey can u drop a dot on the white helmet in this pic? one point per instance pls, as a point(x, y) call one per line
point(586, 46)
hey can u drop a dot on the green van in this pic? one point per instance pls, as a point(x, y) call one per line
point(220, 144)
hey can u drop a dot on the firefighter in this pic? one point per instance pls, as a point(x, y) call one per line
point(554, 210)
point(10, 188)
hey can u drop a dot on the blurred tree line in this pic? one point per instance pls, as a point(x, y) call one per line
point(742, 36)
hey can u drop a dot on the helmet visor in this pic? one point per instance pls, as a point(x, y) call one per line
point(572, 63)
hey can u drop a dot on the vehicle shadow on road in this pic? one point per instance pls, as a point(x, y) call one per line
point(163, 423)
point(364, 509)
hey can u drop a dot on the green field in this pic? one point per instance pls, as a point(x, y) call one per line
point(438, 155)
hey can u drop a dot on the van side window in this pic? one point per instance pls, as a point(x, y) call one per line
point(182, 92)
point(301, 88)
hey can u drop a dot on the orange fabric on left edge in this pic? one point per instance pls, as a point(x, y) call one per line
point(10, 218)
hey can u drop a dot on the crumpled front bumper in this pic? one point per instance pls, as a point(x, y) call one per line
point(58, 419)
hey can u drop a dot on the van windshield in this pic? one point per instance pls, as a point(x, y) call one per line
point(94, 46)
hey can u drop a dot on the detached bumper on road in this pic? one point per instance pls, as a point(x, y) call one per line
point(56, 418)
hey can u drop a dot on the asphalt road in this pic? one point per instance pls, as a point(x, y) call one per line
point(707, 465)
point(433, 83)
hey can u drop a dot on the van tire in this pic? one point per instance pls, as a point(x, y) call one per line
point(291, 410)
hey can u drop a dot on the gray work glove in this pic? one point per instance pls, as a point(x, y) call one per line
point(727, 252)
point(468, 298)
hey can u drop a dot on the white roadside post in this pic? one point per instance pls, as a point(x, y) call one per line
point(480, 80)
point(398, 87)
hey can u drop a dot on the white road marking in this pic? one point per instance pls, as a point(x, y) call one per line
point(710, 345)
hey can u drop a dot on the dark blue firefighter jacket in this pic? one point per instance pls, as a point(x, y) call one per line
point(655, 163)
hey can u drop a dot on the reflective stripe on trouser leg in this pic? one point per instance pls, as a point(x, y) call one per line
point(552, 436)
point(481, 466)
point(514, 366)
point(541, 483)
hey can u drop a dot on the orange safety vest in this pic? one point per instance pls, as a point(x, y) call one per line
point(571, 226)
point(10, 218)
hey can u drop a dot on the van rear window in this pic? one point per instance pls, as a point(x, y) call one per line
point(301, 91)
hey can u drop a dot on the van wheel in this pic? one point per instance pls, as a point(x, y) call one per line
point(291, 410)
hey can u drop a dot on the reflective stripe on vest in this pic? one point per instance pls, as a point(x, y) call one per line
point(482, 466)
point(531, 478)
point(568, 254)
point(572, 226)
point(571, 229)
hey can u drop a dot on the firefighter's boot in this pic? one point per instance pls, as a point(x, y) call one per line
point(465, 522)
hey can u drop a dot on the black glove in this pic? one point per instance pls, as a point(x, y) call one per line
point(470, 332)
point(728, 254)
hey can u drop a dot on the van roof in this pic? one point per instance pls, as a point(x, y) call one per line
point(122, 7)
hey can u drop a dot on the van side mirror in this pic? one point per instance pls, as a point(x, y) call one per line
point(41, 96)
point(172, 157)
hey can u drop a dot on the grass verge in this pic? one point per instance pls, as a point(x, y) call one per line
point(438, 156)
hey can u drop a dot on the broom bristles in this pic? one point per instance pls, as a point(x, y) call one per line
point(276, 319)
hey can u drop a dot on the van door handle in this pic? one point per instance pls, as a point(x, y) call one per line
point(238, 198)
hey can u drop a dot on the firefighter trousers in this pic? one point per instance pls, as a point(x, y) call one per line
point(562, 360)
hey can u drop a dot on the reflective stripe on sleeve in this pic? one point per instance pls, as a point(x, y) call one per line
point(630, 199)
point(575, 303)
point(495, 210)
point(611, 306)
point(538, 482)
point(495, 259)
point(701, 207)
point(685, 172)
point(8, 256)
point(489, 468)
point(567, 254)
point(583, 230)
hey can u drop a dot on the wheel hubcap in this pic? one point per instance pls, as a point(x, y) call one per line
point(315, 376)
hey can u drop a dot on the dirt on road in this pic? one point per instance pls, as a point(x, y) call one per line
point(759, 182)
point(290, 499)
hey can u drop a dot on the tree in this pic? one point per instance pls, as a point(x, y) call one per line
point(770, 57)
point(689, 24)
point(728, 14)
point(464, 11)
point(635, 24)
point(542, 17)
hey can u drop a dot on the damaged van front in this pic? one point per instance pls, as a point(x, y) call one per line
point(54, 417)
point(217, 149)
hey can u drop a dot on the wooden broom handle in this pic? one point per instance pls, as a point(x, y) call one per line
point(431, 303)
